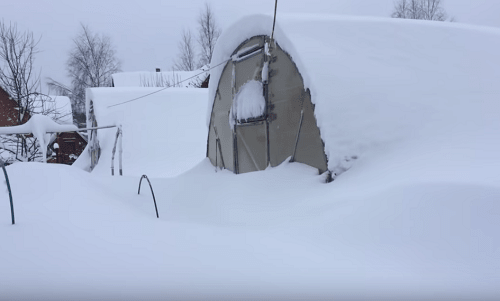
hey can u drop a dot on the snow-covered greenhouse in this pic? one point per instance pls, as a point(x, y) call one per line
point(262, 112)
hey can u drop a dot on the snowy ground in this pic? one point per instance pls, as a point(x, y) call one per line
point(280, 233)
point(414, 219)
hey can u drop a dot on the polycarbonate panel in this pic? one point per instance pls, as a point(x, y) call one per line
point(310, 148)
point(285, 98)
point(211, 145)
point(254, 42)
point(249, 69)
point(251, 144)
point(220, 121)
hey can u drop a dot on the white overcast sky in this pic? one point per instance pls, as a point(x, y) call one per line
point(146, 32)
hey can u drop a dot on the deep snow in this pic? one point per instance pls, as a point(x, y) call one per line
point(280, 233)
point(415, 218)
point(379, 81)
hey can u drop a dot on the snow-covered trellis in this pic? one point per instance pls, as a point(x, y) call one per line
point(43, 127)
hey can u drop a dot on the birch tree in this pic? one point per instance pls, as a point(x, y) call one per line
point(91, 63)
point(209, 32)
point(186, 58)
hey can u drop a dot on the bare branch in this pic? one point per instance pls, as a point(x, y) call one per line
point(419, 10)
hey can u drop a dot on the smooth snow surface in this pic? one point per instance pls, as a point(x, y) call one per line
point(163, 133)
point(417, 217)
point(279, 234)
point(248, 102)
point(382, 81)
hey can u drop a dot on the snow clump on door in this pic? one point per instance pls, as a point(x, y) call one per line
point(249, 102)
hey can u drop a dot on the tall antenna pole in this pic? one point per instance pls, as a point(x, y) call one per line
point(274, 22)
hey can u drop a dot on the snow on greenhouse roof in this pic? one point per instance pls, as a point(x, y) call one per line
point(379, 81)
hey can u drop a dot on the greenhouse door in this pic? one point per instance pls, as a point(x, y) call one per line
point(250, 131)
point(251, 146)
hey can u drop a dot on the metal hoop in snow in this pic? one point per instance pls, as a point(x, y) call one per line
point(10, 192)
point(139, 192)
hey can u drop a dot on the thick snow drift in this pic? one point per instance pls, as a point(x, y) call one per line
point(279, 234)
point(383, 81)
point(162, 133)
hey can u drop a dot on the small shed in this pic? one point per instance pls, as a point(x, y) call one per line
point(67, 147)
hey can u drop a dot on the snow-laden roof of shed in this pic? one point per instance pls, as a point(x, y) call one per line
point(180, 79)
point(378, 81)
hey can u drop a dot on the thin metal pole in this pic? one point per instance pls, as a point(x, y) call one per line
point(297, 137)
point(85, 129)
point(113, 153)
point(120, 151)
point(77, 130)
point(274, 22)
point(220, 153)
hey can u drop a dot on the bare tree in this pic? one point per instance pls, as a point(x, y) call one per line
point(209, 32)
point(91, 63)
point(186, 58)
point(17, 74)
point(420, 10)
point(19, 79)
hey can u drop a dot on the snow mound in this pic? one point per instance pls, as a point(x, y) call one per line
point(378, 82)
